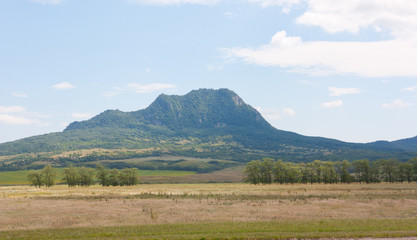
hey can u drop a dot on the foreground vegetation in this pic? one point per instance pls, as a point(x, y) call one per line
point(210, 211)
point(234, 230)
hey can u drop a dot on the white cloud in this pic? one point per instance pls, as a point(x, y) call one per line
point(63, 86)
point(308, 83)
point(14, 120)
point(52, 2)
point(335, 91)
point(269, 114)
point(138, 88)
point(384, 58)
point(81, 115)
point(12, 109)
point(285, 4)
point(410, 89)
point(214, 67)
point(332, 104)
point(368, 59)
point(230, 15)
point(20, 95)
point(288, 112)
point(396, 16)
point(398, 103)
point(174, 2)
point(17, 115)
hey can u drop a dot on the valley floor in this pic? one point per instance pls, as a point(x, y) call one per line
point(195, 211)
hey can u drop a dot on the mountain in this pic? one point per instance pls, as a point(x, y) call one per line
point(408, 144)
point(204, 129)
point(199, 109)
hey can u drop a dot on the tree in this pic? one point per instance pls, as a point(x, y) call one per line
point(48, 176)
point(279, 172)
point(316, 171)
point(86, 176)
point(405, 172)
point(307, 173)
point(328, 172)
point(102, 175)
point(35, 179)
point(293, 173)
point(374, 175)
point(128, 177)
point(252, 172)
point(413, 162)
point(71, 176)
point(362, 170)
point(390, 169)
point(266, 170)
point(344, 173)
point(113, 177)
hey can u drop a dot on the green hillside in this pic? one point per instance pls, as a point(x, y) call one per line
point(204, 124)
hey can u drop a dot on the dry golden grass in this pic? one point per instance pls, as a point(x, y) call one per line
point(24, 207)
point(86, 152)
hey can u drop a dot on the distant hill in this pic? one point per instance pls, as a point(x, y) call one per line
point(408, 144)
point(203, 124)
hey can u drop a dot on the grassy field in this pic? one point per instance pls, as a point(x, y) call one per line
point(233, 230)
point(209, 211)
point(19, 177)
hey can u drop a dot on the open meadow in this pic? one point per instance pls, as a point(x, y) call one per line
point(209, 211)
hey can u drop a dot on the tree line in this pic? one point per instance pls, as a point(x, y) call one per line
point(45, 177)
point(268, 171)
point(83, 176)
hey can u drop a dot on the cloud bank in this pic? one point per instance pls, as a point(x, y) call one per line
point(332, 104)
point(335, 91)
point(384, 58)
point(63, 86)
point(396, 104)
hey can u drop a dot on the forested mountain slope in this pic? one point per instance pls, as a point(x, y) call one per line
point(205, 123)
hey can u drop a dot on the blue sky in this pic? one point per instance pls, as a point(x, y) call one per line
point(337, 69)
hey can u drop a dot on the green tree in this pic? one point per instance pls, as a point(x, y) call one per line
point(345, 176)
point(307, 173)
point(71, 176)
point(293, 173)
point(102, 175)
point(113, 177)
point(374, 172)
point(362, 170)
point(279, 172)
point(128, 177)
point(390, 169)
point(405, 172)
point(266, 170)
point(252, 172)
point(35, 179)
point(86, 176)
point(413, 162)
point(48, 176)
point(316, 171)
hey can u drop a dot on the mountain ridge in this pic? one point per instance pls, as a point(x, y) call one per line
point(177, 112)
point(204, 123)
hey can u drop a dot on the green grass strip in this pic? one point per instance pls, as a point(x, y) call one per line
point(19, 177)
point(351, 228)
